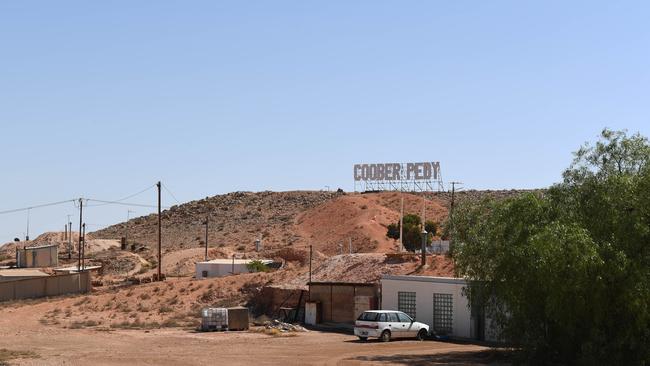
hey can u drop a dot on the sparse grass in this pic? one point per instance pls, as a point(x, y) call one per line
point(165, 309)
point(7, 355)
point(144, 296)
point(82, 301)
point(123, 307)
point(83, 324)
point(206, 296)
point(135, 324)
point(170, 323)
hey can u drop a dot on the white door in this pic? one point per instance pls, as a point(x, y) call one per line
point(407, 324)
point(398, 329)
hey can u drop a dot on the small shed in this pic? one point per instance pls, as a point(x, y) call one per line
point(38, 256)
point(343, 302)
point(224, 267)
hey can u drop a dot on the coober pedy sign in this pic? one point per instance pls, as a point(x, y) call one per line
point(423, 176)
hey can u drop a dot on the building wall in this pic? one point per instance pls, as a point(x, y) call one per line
point(341, 302)
point(219, 269)
point(38, 257)
point(424, 290)
point(45, 286)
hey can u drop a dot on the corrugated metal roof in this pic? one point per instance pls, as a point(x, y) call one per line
point(236, 261)
point(426, 279)
point(40, 246)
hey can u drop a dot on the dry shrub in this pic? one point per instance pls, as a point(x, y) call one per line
point(165, 309)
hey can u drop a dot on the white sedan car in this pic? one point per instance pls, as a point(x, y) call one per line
point(387, 324)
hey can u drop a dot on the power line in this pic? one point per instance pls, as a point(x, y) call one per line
point(37, 206)
point(125, 198)
point(170, 192)
point(120, 203)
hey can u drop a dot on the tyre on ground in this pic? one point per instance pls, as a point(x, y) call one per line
point(422, 334)
point(385, 336)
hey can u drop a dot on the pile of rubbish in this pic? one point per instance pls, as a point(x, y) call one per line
point(284, 327)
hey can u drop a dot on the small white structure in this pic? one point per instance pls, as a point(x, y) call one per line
point(438, 302)
point(224, 267)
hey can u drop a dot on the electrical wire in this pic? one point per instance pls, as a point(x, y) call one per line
point(36, 206)
point(121, 203)
point(125, 198)
point(170, 192)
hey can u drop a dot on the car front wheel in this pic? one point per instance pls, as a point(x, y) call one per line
point(422, 334)
point(385, 336)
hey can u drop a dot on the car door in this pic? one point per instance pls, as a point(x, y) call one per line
point(407, 324)
point(398, 329)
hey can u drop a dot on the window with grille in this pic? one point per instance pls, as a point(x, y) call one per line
point(406, 303)
point(442, 313)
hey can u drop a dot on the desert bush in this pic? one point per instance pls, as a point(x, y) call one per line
point(257, 266)
point(165, 309)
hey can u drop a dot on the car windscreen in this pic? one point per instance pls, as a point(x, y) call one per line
point(368, 317)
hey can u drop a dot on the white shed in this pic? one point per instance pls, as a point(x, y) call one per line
point(438, 302)
point(224, 267)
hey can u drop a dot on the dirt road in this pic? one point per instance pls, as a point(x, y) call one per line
point(54, 345)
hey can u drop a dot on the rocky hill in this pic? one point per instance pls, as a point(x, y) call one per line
point(297, 219)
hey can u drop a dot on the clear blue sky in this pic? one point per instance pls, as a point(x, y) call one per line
point(102, 99)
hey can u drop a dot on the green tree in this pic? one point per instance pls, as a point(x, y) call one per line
point(257, 266)
point(566, 273)
point(412, 231)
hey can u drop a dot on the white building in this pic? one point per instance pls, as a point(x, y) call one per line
point(224, 267)
point(438, 302)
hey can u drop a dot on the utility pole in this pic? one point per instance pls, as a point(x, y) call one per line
point(401, 224)
point(81, 210)
point(159, 235)
point(65, 233)
point(350, 245)
point(424, 232)
point(27, 235)
point(207, 218)
point(69, 238)
point(126, 234)
point(451, 212)
point(83, 247)
point(310, 256)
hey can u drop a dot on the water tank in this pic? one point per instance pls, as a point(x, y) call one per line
point(214, 319)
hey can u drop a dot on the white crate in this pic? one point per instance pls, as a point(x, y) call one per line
point(214, 319)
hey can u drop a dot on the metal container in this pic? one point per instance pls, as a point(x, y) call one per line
point(238, 318)
point(214, 319)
